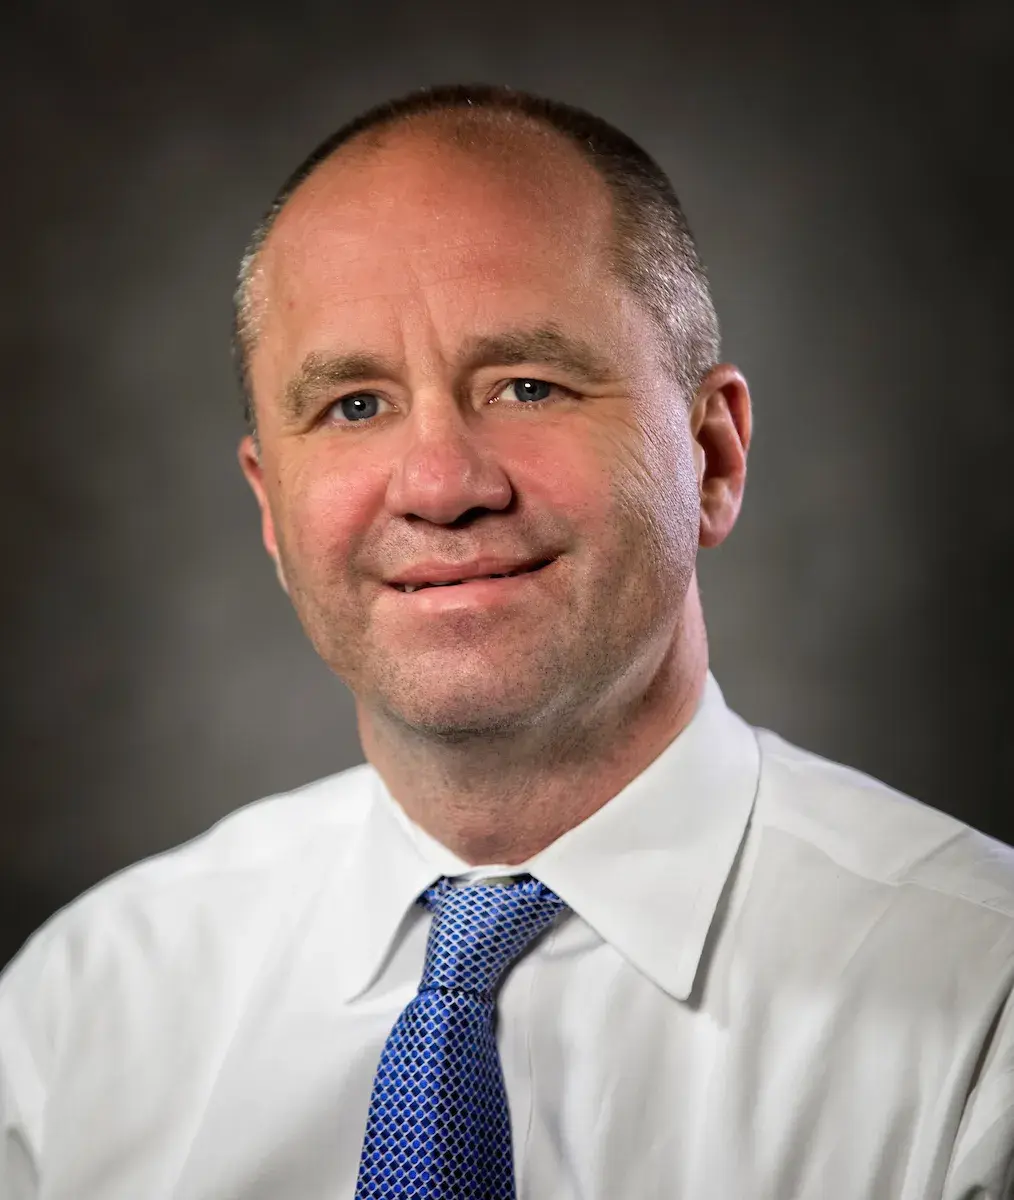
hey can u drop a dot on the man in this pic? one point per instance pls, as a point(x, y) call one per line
point(576, 932)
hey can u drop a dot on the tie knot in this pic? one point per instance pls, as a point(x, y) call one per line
point(480, 929)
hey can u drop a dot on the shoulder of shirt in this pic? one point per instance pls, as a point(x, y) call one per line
point(867, 827)
point(272, 843)
point(208, 909)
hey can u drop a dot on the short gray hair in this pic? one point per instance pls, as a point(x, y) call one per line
point(654, 253)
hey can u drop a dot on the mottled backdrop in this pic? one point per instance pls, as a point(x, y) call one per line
point(848, 176)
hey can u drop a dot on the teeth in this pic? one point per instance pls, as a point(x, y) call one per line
point(415, 587)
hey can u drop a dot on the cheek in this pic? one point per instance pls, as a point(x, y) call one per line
point(586, 467)
point(559, 468)
point(659, 460)
point(328, 508)
point(649, 485)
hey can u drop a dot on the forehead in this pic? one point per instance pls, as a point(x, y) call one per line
point(422, 217)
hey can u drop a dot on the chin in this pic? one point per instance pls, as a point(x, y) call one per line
point(461, 713)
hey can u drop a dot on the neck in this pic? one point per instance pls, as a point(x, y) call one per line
point(503, 800)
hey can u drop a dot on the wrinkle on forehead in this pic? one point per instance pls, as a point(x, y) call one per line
point(431, 203)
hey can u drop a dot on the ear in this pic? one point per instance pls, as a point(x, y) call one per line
point(253, 470)
point(720, 424)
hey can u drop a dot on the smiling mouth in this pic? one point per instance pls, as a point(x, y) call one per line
point(526, 570)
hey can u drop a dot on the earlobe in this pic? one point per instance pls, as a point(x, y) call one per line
point(249, 458)
point(253, 470)
point(280, 572)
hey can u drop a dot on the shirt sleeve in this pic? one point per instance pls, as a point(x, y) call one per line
point(19, 1178)
point(982, 1165)
point(21, 1089)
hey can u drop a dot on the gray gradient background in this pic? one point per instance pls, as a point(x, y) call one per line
point(848, 179)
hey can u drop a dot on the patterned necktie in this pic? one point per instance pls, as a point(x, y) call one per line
point(438, 1127)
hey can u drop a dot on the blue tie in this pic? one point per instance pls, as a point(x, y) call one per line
point(438, 1127)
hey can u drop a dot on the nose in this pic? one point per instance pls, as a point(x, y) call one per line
point(445, 471)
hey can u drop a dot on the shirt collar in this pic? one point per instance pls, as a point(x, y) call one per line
point(646, 871)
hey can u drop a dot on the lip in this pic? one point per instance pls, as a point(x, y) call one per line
point(474, 571)
point(473, 598)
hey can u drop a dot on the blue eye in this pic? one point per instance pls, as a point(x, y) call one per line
point(359, 407)
point(528, 390)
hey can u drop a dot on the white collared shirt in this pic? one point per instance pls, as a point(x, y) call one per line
point(778, 980)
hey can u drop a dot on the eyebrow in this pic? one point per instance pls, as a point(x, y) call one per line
point(545, 344)
point(319, 372)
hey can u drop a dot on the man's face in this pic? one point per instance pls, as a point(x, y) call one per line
point(449, 385)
